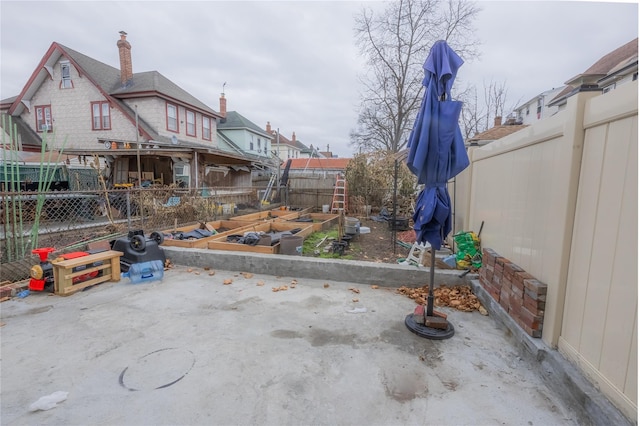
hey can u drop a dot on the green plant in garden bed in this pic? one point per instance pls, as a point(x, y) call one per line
point(310, 243)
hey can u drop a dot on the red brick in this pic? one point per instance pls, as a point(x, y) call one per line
point(535, 286)
point(534, 322)
point(514, 310)
point(512, 268)
point(498, 269)
point(521, 276)
point(500, 261)
point(516, 298)
point(531, 332)
point(483, 282)
point(497, 280)
point(534, 295)
point(490, 268)
point(505, 282)
point(504, 298)
point(489, 256)
point(494, 293)
point(488, 275)
point(532, 305)
point(517, 287)
point(539, 312)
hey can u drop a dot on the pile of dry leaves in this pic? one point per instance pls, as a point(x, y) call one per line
point(459, 297)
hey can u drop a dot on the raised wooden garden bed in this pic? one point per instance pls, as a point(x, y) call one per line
point(320, 221)
point(270, 215)
point(231, 227)
point(221, 243)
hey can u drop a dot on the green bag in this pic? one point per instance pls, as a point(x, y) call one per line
point(469, 254)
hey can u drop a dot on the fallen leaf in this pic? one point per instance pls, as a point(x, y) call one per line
point(326, 285)
point(275, 289)
point(189, 270)
point(354, 300)
point(206, 268)
point(197, 273)
point(374, 287)
point(482, 310)
point(247, 275)
point(260, 283)
point(355, 290)
point(212, 273)
point(294, 281)
point(227, 281)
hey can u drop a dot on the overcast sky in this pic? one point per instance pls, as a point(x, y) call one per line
point(294, 63)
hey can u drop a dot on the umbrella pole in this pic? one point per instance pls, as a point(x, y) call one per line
point(432, 277)
point(430, 326)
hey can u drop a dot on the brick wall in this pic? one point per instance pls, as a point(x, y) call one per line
point(518, 292)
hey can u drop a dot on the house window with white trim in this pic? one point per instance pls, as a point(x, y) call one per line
point(172, 118)
point(181, 175)
point(206, 128)
point(43, 118)
point(191, 123)
point(101, 114)
point(65, 71)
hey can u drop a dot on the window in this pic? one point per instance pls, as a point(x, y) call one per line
point(101, 114)
point(181, 175)
point(206, 128)
point(251, 146)
point(191, 123)
point(259, 147)
point(65, 71)
point(634, 77)
point(43, 118)
point(172, 118)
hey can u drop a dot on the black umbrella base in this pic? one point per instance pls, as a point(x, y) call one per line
point(429, 332)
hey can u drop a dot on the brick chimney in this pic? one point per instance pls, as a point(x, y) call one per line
point(269, 127)
point(223, 105)
point(126, 68)
point(293, 137)
point(497, 121)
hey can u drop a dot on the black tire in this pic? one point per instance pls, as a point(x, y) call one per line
point(138, 243)
point(158, 237)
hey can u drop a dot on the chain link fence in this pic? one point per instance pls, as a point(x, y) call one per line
point(69, 220)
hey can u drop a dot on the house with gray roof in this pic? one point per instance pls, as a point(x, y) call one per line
point(611, 71)
point(82, 106)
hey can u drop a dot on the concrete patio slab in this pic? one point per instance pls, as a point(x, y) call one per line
point(190, 350)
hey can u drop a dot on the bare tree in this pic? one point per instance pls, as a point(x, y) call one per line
point(479, 116)
point(395, 43)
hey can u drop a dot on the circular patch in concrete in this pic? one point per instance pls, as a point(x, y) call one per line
point(158, 369)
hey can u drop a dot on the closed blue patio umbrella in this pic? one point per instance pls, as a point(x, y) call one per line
point(436, 154)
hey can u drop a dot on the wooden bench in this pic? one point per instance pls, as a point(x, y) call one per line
point(63, 274)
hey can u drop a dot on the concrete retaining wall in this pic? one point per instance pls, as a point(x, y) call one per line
point(384, 275)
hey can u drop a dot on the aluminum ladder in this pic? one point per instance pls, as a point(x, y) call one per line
point(267, 193)
point(339, 202)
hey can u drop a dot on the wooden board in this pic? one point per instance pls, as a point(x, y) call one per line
point(280, 226)
point(321, 221)
point(232, 226)
point(63, 271)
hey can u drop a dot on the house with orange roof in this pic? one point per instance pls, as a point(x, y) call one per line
point(499, 130)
